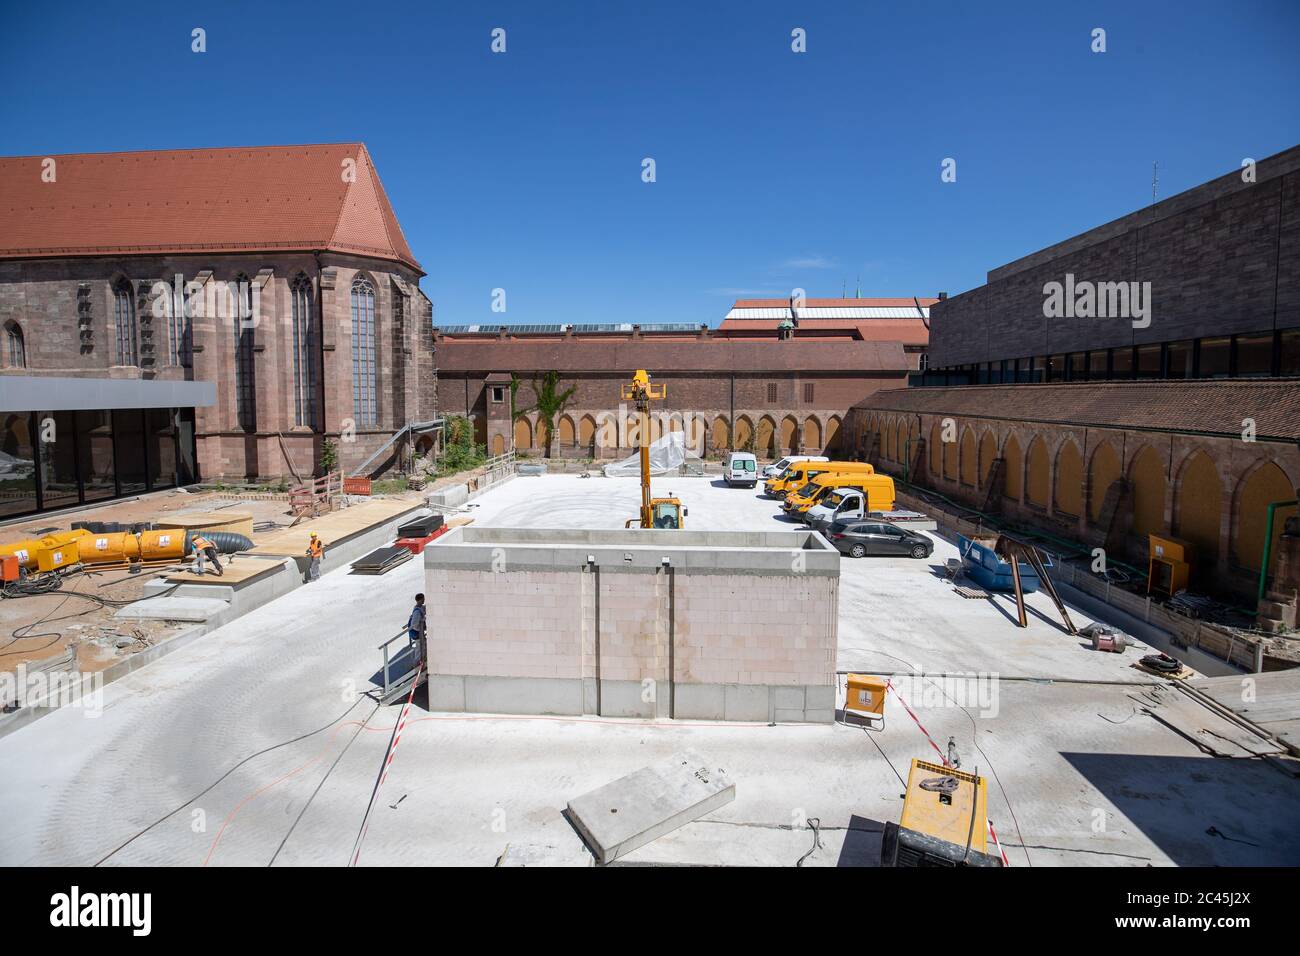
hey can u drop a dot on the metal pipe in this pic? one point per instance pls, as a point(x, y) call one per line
point(1268, 545)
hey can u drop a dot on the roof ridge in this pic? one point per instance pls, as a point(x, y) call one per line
point(184, 149)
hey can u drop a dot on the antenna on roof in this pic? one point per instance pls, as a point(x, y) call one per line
point(1155, 178)
point(844, 288)
point(857, 293)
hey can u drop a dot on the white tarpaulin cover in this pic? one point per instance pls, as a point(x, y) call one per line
point(668, 454)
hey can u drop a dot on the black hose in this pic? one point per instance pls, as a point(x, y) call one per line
point(227, 542)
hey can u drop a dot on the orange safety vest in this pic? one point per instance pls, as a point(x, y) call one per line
point(315, 548)
point(201, 543)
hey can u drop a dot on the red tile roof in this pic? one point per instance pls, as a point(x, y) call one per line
point(906, 302)
point(245, 199)
point(907, 331)
point(1214, 406)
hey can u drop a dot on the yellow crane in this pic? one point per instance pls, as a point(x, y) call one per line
point(655, 512)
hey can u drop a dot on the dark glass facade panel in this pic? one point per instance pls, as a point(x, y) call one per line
point(1056, 368)
point(1148, 361)
point(160, 432)
point(1121, 363)
point(17, 464)
point(95, 455)
point(1181, 360)
point(1289, 352)
point(57, 433)
point(1215, 358)
point(1254, 355)
point(132, 466)
point(1099, 365)
point(1078, 366)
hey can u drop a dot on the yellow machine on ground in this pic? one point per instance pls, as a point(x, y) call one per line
point(655, 512)
point(944, 821)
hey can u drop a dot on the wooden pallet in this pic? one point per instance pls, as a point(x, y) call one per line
point(971, 593)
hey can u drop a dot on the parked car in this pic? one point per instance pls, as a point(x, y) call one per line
point(741, 469)
point(858, 539)
point(771, 471)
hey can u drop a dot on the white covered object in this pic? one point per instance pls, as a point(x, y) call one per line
point(667, 454)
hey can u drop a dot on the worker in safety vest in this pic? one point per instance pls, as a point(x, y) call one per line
point(315, 551)
point(202, 546)
point(416, 624)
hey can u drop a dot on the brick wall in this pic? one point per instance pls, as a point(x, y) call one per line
point(65, 338)
point(1221, 258)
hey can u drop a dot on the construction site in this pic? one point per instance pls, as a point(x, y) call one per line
point(648, 663)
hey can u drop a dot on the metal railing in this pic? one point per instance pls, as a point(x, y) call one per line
point(393, 683)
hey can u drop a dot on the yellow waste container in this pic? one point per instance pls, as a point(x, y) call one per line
point(866, 696)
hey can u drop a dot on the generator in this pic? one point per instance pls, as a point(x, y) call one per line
point(944, 820)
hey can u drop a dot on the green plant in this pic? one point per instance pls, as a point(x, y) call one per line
point(550, 403)
point(460, 452)
point(329, 456)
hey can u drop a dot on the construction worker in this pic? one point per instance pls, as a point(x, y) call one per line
point(202, 546)
point(315, 551)
point(416, 624)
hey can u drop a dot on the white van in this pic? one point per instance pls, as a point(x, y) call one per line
point(741, 469)
point(771, 471)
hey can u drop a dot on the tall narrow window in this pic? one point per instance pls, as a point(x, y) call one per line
point(364, 383)
point(15, 354)
point(304, 348)
point(124, 319)
point(241, 297)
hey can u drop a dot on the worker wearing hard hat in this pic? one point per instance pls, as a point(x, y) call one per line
point(315, 551)
point(204, 547)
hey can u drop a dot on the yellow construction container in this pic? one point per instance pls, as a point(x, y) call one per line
point(24, 551)
point(1169, 565)
point(866, 696)
point(167, 544)
point(53, 554)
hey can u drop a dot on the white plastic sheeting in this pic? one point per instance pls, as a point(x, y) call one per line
point(668, 454)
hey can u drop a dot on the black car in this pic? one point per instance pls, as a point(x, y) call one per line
point(860, 538)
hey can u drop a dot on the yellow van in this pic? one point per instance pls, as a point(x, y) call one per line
point(878, 490)
point(802, 472)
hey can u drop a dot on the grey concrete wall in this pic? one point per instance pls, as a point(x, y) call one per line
point(737, 626)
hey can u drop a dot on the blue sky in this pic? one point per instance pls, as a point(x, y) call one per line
point(774, 169)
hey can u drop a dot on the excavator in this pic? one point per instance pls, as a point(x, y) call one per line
point(655, 512)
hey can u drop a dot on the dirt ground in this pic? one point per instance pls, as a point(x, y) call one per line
point(41, 627)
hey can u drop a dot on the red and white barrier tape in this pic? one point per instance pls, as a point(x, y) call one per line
point(388, 761)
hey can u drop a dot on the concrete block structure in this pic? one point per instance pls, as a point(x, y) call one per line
point(683, 624)
point(278, 275)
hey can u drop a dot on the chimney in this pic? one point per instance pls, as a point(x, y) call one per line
point(636, 331)
point(942, 296)
point(705, 332)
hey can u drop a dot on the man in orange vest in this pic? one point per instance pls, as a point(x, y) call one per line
point(202, 546)
point(315, 551)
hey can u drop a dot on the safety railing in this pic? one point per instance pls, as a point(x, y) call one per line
point(391, 682)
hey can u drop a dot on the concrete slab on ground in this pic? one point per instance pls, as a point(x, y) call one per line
point(631, 811)
point(174, 609)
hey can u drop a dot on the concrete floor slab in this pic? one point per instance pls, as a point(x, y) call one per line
point(210, 754)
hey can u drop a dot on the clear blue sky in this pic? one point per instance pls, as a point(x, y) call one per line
point(774, 169)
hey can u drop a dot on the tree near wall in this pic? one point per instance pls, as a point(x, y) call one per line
point(550, 403)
